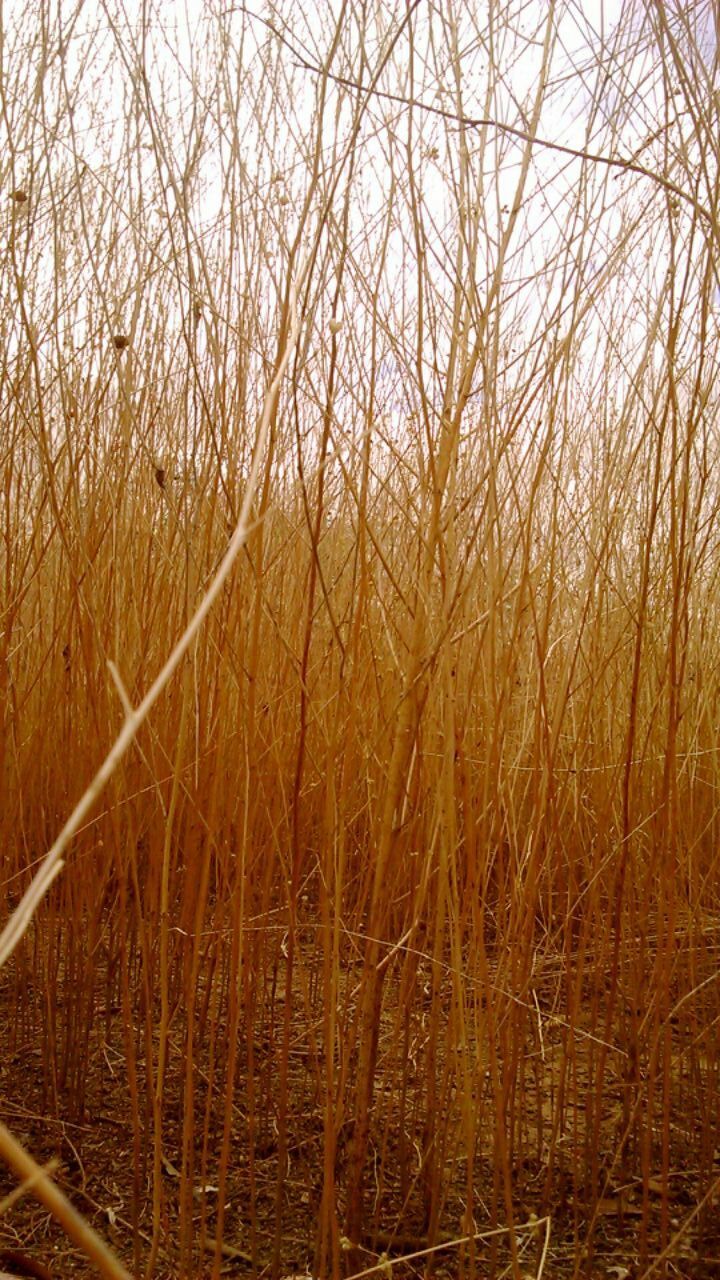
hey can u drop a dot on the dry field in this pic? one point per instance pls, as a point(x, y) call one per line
point(360, 639)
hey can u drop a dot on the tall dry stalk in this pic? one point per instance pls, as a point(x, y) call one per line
point(392, 909)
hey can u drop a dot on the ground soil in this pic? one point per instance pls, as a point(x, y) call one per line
point(94, 1162)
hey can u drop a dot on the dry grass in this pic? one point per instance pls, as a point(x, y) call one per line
point(419, 843)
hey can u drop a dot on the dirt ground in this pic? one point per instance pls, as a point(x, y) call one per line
point(94, 1163)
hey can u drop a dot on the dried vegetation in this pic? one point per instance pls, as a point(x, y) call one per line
point(396, 921)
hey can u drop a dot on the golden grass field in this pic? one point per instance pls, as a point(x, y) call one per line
point(360, 639)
